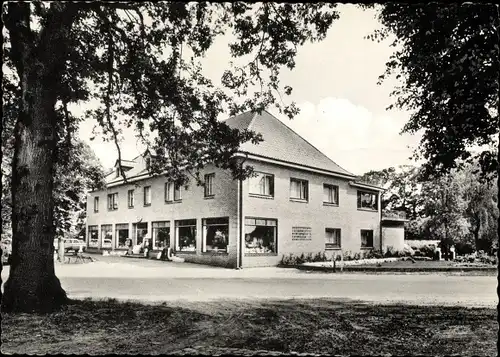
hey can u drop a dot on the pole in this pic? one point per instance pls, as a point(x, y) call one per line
point(61, 249)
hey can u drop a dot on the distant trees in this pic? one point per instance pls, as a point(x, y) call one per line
point(460, 206)
point(402, 189)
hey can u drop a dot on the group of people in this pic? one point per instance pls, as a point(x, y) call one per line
point(144, 248)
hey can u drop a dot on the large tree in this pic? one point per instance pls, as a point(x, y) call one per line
point(447, 59)
point(130, 59)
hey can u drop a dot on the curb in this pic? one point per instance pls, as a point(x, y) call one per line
point(392, 269)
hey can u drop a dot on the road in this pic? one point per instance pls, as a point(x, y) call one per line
point(159, 281)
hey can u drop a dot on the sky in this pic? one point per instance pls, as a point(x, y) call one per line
point(343, 110)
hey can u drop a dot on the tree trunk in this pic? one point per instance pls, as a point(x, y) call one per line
point(32, 284)
point(477, 228)
point(40, 60)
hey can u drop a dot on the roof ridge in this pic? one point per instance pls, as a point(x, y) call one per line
point(314, 147)
point(252, 120)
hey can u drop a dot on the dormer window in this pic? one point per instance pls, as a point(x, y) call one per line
point(148, 163)
point(117, 172)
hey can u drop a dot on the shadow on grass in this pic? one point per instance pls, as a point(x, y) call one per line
point(320, 326)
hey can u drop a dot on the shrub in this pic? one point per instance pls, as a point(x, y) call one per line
point(488, 259)
point(323, 257)
point(317, 257)
point(390, 252)
point(347, 255)
point(428, 251)
point(309, 257)
point(289, 260)
point(377, 254)
point(373, 254)
point(463, 248)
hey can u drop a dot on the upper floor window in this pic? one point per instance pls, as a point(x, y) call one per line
point(299, 189)
point(96, 204)
point(332, 238)
point(172, 192)
point(148, 163)
point(330, 194)
point(130, 198)
point(262, 184)
point(368, 200)
point(209, 185)
point(113, 201)
point(147, 195)
point(366, 238)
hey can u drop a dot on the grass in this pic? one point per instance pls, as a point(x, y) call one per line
point(318, 326)
point(422, 264)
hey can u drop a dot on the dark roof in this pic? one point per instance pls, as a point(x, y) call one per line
point(281, 143)
point(241, 121)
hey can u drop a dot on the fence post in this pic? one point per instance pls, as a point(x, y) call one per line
point(342, 260)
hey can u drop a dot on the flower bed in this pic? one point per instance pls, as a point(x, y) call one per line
point(373, 261)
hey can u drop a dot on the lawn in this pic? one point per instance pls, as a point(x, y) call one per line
point(427, 264)
point(243, 327)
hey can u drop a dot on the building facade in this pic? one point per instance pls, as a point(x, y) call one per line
point(298, 201)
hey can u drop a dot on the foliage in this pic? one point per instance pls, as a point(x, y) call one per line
point(460, 206)
point(463, 248)
point(391, 252)
point(373, 254)
point(82, 172)
point(402, 189)
point(292, 259)
point(447, 60)
point(77, 170)
point(427, 251)
point(140, 66)
point(444, 205)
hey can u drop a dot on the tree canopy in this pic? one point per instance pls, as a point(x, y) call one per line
point(447, 58)
point(458, 206)
point(139, 62)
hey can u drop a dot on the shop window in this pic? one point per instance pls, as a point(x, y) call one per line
point(139, 231)
point(121, 235)
point(106, 236)
point(260, 236)
point(161, 234)
point(215, 234)
point(185, 233)
point(93, 236)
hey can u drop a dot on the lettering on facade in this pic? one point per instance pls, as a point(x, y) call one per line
point(301, 233)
